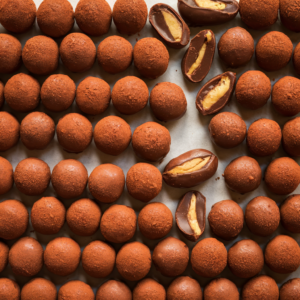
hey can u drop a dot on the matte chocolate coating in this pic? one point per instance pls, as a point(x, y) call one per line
point(296, 58)
point(6, 176)
point(9, 289)
point(291, 137)
point(290, 213)
point(290, 290)
point(114, 290)
point(221, 289)
point(9, 131)
point(39, 288)
point(3, 256)
point(1, 94)
point(149, 289)
point(193, 52)
point(289, 15)
point(74, 290)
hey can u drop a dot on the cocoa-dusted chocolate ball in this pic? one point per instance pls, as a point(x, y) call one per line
point(40, 55)
point(74, 132)
point(151, 57)
point(282, 176)
point(273, 50)
point(290, 290)
point(62, 256)
point(291, 137)
point(75, 290)
point(32, 176)
point(77, 52)
point(221, 288)
point(58, 92)
point(93, 96)
point(93, 17)
point(37, 131)
point(112, 135)
point(243, 175)
point(26, 257)
point(227, 130)
point(106, 183)
point(9, 289)
point(296, 58)
point(115, 54)
point(83, 217)
point(3, 256)
point(6, 176)
point(114, 290)
point(167, 101)
point(10, 53)
point(226, 219)
point(149, 289)
point(289, 14)
point(22, 92)
point(130, 16)
point(48, 215)
point(9, 131)
point(290, 213)
point(209, 257)
point(144, 182)
point(118, 224)
point(171, 257)
point(39, 288)
point(1, 94)
point(134, 261)
point(98, 259)
point(130, 95)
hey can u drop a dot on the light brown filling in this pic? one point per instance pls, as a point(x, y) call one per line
point(211, 4)
point(173, 25)
point(192, 216)
point(190, 166)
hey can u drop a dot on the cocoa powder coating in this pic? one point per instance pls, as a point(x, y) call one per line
point(289, 14)
point(114, 290)
point(9, 289)
point(75, 290)
point(296, 58)
point(290, 214)
point(9, 131)
point(221, 288)
point(39, 288)
point(6, 176)
point(149, 289)
point(290, 290)
point(1, 94)
point(3, 256)
point(291, 137)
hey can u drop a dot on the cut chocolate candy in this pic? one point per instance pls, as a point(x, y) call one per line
point(215, 93)
point(199, 56)
point(169, 25)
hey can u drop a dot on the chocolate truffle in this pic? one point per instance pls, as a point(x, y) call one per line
point(130, 16)
point(118, 224)
point(296, 58)
point(290, 213)
point(290, 290)
point(171, 257)
point(291, 137)
point(62, 256)
point(32, 176)
point(58, 92)
point(273, 50)
point(26, 257)
point(134, 261)
point(48, 215)
point(130, 95)
point(144, 182)
point(221, 288)
point(285, 96)
point(151, 57)
point(289, 14)
point(75, 290)
point(69, 178)
point(6, 176)
point(39, 288)
point(151, 141)
point(1, 94)
point(98, 259)
point(13, 219)
point(17, 15)
point(74, 132)
point(10, 53)
point(114, 290)
point(9, 289)
point(209, 257)
point(167, 101)
point(22, 92)
point(55, 17)
point(93, 96)
point(77, 52)
point(9, 131)
point(115, 54)
point(37, 131)
point(83, 217)
point(226, 219)
point(106, 183)
point(253, 90)
point(282, 176)
point(3, 256)
point(227, 130)
point(149, 289)
point(243, 175)
point(259, 14)
point(40, 55)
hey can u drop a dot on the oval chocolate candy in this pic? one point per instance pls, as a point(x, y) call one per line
point(190, 215)
point(190, 169)
point(215, 94)
point(169, 25)
point(207, 12)
point(199, 56)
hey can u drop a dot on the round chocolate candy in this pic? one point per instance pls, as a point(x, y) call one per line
point(75, 289)
point(289, 15)
point(149, 289)
point(6, 176)
point(39, 288)
point(3, 256)
point(9, 131)
point(291, 137)
point(9, 289)
point(221, 288)
point(290, 213)
point(113, 289)
point(290, 289)
point(296, 58)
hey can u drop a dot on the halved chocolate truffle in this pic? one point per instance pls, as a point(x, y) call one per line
point(75, 289)
point(9, 289)
point(3, 256)
point(221, 288)
point(290, 290)
point(113, 289)
point(290, 213)
point(149, 289)
point(6, 176)
point(291, 137)
point(39, 288)
point(289, 15)
point(9, 131)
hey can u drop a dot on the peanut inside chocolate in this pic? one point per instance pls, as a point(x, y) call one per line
point(192, 216)
point(173, 25)
point(215, 5)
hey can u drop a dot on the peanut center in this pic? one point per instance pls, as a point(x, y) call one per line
point(190, 166)
point(211, 4)
point(173, 25)
point(192, 216)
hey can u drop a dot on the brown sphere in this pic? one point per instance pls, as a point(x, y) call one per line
point(39, 288)
point(290, 213)
point(118, 224)
point(273, 50)
point(149, 289)
point(290, 290)
point(22, 93)
point(184, 288)
point(48, 215)
point(282, 176)
point(93, 96)
point(98, 259)
point(62, 256)
point(221, 288)
point(32, 176)
point(1, 94)
point(209, 257)
point(130, 95)
point(75, 290)
point(289, 14)
point(3, 256)
point(40, 55)
point(78, 52)
point(115, 54)
point(74, 132)
point(9, 289)
point(10, 53)
point(296, 58)
point(6, 176)
point(9, 131)
point(113, 290)
point(106, 183)
point(134, 261)
point(291, 137)
point(58, 92)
